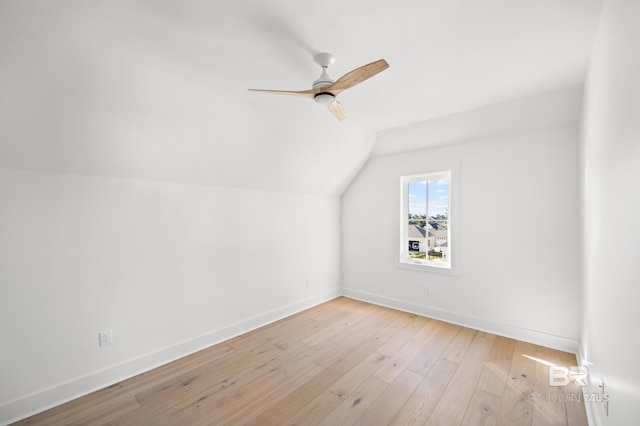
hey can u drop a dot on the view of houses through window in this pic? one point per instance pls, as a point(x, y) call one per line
point(426, 235)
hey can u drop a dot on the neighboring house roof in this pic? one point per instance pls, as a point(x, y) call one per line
point(438, 233)
point(416, 231)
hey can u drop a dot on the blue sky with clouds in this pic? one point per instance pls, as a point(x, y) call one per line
point(438, 193)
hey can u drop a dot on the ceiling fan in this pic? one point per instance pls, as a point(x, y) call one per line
point(325, 90)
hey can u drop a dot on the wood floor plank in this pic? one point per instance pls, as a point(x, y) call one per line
point(402, 322)
point(191, 362)
point(358, 374)
point(339, 326)
point(342, 362)
point(430, 354)
point(303, 330)
point(259, 402)
point(226, 396)
point(517, 405)
point(399, 338)
point(483, 410)
point(211, 387)
point(455, 399)
point(202, 378)
point(100, 413)
point(327, 352)
point(315, 411)
point(424, 399)
point(401, 359)
point(385, 407)
point(459, 345)
point(548, 406)
point(495, 373)
point(365, 326)
point(330, 311)
point(282, 410)
point(349, 410)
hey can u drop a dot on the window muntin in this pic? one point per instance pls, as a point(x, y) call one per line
point(425, 220)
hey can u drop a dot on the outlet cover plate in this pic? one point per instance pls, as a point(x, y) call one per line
point(105, 337)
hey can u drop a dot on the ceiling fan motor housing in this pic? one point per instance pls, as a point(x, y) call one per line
point(322, 81)
point(324, 60)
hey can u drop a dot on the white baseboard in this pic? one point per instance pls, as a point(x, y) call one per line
point(590, 405)
point(489, 326)
point(26, 406)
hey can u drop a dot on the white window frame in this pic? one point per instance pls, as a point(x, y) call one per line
point(424, 265)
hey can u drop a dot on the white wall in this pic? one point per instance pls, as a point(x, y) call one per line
point(533, 113)
point(518, 235)
point(611, 209)
point(170, 268)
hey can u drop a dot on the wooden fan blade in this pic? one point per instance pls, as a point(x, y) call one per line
point(357, 76)
point(304, 93)
point(337, 110)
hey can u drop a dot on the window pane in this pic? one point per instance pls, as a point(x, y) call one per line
point(438, 220)
point(418, 198)
point(417, 209)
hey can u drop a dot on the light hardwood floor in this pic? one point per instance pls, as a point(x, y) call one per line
point(340, 363)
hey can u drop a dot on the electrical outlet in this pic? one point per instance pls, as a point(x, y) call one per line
point(308, 280)
point(105, 337)
point(427, 289)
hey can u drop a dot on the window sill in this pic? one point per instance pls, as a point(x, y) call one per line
point(427, 268)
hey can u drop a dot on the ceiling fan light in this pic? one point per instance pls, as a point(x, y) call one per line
point(324, 98)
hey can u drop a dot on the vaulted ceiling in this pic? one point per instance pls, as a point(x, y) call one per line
point(157, 89)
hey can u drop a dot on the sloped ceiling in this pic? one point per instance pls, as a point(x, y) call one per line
point(153, 89)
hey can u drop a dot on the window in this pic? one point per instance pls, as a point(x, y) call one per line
point(425, 225)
